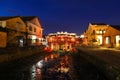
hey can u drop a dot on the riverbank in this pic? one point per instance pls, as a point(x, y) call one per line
point(14, 53)
point(106, 60)
point(81, 69)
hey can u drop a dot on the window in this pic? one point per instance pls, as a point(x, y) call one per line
point(30, 28)
point(34, 29)
point(104, 31)
point(100, 31)
point(100, 39)
point(117, 39)
point(93, 31)
point(107, 40)
point(97, 32)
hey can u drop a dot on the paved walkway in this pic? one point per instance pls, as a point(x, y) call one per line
point(107, 60)
point(108, 55)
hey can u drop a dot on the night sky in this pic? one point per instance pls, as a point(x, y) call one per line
point(64, 15)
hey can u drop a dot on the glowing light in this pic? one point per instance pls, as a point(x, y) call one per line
point(100, 39)
point(50, 39)
point(73, 39)
point(117, 40)
point(40, 38)
point(100, 32)
point(51, 56)
point(82, 36)
point(107, 40)
point(104, 31)
point(33, 37)
point(97, 31)
point(58, 32)
point(62, 39)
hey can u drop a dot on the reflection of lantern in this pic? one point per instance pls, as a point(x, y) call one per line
point(46, 59)
point(51, 56)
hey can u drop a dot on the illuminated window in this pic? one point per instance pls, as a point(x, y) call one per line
point(97, 32)
point(117, 40)
point(100, 39)
point(104, 31)
point(107, 40)
point(33, 39)
point(100, 32)
point(34, 29)
point(30, 28)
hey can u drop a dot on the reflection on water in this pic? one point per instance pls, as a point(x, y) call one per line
point(52, 67)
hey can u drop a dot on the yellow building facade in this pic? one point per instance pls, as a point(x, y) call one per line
point(94, 33)
point(15, 30)
point(112, 36)
point(34, 30)
point(20, 31)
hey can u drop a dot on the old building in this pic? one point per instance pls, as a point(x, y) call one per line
point(20, 31)
point(94, 33)
point(34, 30)
point(112, 36)
point(61, 41)
point(15, 30)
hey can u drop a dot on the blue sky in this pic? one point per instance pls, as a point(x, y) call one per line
point(64, 15)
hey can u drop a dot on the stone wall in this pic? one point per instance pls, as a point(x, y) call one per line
point(14, 53)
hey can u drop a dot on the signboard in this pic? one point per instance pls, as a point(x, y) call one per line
point(3, 39)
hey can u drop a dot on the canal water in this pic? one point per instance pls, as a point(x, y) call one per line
point(50, 67)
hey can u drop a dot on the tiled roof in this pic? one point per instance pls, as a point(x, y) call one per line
point(24, 18)
point(116, 27)
point(27, 18)
point(7, 17)
point(98, 23)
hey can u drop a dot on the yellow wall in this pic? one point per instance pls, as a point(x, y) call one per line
point(111, 32)
point(3, 38)
point(39, 32)
point(16, 27)
point(89, 32)
point(35, 24)
point(13, 24)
